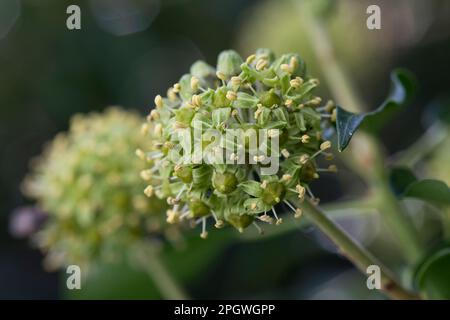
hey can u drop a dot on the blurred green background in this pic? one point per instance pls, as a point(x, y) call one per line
point(129, 51)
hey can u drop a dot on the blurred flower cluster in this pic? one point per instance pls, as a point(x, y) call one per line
point(261, 93)
point(86, 181)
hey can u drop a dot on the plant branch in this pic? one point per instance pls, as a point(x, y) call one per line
point(340, 209)
point(358, 255)
point(148, 259)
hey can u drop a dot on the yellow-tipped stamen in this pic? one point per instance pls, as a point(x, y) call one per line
point(329, 107)
point(194, 83)
point(285, 153)
point(266, 218)
point(176, 88)
point(260, 230)
point(333, 116)
point(289, 103)
point(159, 101)
point(250, 59)
point(261, 64)
point(286, 68)
point(219, 223)
point(157, 130)
point(204, 233)
point(172, 216)
point(286, 177)
point(221, 75)
point(296, 83)
point(144, 129)
point(332, 168)
point(300, 191)
point(140, 154)
point(325, 145)
point(172, 95)
point(305, 138)
point(146, 174)
point(148, 191)
point(328, 156)
point(278, 220)
point(196, 100)
point(260, 158)
point(304, 158)
point(231, 95)
point(154, 114)
point(236, 81)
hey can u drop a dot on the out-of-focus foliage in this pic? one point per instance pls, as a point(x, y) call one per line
point(87, 181)
point(439, 163)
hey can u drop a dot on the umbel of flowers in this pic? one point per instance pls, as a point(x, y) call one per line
point(262, 92)
point(87, 182)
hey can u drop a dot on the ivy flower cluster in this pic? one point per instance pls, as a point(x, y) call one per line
point(86, 181)
point(262, 92)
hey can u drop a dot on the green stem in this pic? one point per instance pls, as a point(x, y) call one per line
point(371, 152)
point(341, 209)
point(358, 255)
point(149, 260)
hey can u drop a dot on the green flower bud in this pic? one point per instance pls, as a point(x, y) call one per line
point(270, 98)
point(202, 70)
point(308, 172)
point(229, 63)
point(220, 98)
point(240, 222)
point(184, 173)
point(183, 116)
point(273, 193)
point(224, 182)
point(198, 208)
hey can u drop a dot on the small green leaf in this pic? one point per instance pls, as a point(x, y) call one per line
point(429, 190)
point(433, 276)
point(245, 101)
point(220, 115)
point(402, 89)
point(405, 184)
point(252, 188)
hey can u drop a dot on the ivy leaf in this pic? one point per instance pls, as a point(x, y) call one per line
point(403, 88)
point(432, 276)
point(405, 184)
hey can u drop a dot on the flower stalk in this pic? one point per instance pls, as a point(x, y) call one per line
point(148, 260)
point(358, 255)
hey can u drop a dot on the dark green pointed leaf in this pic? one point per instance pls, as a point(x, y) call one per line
point(403, 88)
